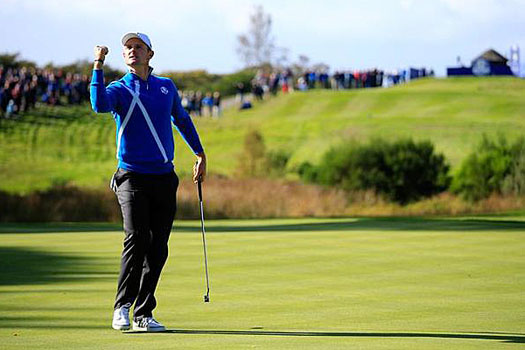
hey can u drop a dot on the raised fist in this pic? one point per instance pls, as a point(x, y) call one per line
point(100, 52)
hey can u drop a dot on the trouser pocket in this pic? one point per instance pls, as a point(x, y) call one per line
point(116, 180)
point(113, 182)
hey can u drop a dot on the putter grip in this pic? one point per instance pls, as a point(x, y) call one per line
point(199, 180)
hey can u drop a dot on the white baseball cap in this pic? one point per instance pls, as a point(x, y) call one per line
point(140, 36)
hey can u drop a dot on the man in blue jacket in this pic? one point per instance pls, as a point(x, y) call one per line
point(144, 106)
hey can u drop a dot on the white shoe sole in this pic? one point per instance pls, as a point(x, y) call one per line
point(149, 330)
point(121, 327)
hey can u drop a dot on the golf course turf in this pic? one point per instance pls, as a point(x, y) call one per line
point(50, 146)
point(343, 283)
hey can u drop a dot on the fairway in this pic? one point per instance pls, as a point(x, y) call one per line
point(276, 284)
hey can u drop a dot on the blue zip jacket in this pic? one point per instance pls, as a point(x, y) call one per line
point(143, 112)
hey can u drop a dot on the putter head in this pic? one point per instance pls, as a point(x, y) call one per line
point(206, 298)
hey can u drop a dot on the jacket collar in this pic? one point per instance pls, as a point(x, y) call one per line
point(131, 77)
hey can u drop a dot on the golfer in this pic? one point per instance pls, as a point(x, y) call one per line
point(143, 106)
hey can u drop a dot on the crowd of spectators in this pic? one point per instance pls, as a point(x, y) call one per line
point(374, 78)
point(22, 88)
point(270, 83)
point(198, 104)
point(285, 81)
point(354, 79)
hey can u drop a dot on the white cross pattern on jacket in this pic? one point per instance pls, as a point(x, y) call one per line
point(136, 101)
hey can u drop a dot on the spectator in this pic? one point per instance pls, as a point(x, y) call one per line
point(207, 104)
point(184, 101)
point(239, 97)
point(301, 84)
point(247, 104)
point(257, 90)
point(5, 96)
point(191, 103)
point(288, 79)
point(197, 108)
point(274, 83)
point(216, 104)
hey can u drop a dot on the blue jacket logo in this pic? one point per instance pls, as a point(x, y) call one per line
point(163, 90)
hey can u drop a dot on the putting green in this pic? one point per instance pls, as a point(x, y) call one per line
point(276, 284)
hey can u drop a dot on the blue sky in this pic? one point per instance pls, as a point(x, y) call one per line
point(186, 35)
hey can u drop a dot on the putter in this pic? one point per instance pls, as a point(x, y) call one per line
point(207, 296)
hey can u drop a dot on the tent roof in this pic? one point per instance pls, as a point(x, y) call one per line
point(492, 55)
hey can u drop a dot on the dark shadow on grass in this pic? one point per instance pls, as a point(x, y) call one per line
point(507, 338)
point(73, 323)
point(57, 227)
point(358, 224)
point(21, 266)
point(52, 322)
point(378, 224)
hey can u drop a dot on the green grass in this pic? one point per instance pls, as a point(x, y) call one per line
point(276, 284)
point(78, 146)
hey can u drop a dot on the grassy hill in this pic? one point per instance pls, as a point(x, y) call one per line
point(56, 145)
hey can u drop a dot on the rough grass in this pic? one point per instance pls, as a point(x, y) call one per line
point(240, 198)
point(277, 284)
point(56, 145)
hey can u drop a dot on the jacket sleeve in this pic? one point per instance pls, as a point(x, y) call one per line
point(184, 125)
point(103, 99)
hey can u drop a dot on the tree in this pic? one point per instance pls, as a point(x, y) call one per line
point(281, 57)
point(321, 67)
point(13, 60)
point(302, 65)
point(257, 46)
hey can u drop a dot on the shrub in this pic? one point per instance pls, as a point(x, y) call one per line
point(255, 161)
point(403, 171)
point(251, 161)
point(514, 183)
point(495, 167)
point(307, 172)
point(277, 161)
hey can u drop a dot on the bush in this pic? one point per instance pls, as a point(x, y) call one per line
point(307, 172)
point(403, 171)
point(495, 167)
point(514, 183)
point(252, 162)
point(277, 162)
point(255, 161)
